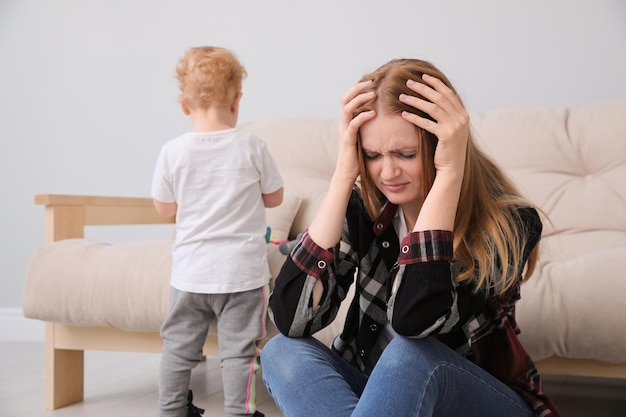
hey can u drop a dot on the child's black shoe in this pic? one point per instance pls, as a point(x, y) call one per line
point(192, 410)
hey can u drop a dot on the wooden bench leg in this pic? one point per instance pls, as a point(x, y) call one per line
point(64, 374)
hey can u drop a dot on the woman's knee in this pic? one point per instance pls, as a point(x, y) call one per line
point(270, 349)
point(278, 352)
point(425, 353)
point(285, 355)
point(281, 361)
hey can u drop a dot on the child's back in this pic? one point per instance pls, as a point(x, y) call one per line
point(217, 180)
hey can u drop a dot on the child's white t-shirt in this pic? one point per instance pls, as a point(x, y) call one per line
point(216, 179)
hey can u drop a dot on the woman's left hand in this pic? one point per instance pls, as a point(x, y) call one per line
point(451, 125)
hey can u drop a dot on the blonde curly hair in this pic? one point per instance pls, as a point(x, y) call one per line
point(209, 75)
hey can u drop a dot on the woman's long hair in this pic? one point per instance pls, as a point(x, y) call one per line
point(489, 237)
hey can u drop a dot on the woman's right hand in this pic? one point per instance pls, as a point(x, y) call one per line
point(347, 160)
point(325, 230)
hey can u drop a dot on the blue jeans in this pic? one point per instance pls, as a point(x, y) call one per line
point(413, 377)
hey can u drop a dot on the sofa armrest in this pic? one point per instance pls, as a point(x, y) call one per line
point(67, 215)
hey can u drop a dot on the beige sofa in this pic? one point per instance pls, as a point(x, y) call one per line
point(95, 295)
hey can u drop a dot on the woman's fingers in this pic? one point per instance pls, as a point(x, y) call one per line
point(450, 120)
point(441, 88)
point(354, 92)
point(349, 125)
point(436, 91)
point(351, 101)
point(440, 102)
point(354, 98)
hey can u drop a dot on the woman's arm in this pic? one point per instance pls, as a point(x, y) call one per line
point(451, 127)
point(294, 307)
point(308, 290)
point(426, 299)
point(325, 230)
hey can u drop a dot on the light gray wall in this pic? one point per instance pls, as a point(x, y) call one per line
point(87, 94)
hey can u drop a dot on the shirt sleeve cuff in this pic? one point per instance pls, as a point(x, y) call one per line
point(427, 245)
point(313, 259)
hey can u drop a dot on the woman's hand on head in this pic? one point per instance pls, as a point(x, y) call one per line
point(347, 159)
point(327, 225)
point(451, 125)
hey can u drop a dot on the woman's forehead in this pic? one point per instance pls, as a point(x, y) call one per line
point(388, 133)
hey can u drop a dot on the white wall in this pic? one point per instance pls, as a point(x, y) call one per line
point(87, 94)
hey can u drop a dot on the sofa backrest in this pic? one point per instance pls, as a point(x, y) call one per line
point(571, 164)
point(305, 151)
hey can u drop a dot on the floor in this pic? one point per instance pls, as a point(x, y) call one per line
point(116, 384)
point(125, 384)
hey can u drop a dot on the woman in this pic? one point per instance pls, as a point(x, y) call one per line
point(440, 241)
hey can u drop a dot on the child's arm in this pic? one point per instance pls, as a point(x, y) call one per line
point(165, 209)
point(273, 199)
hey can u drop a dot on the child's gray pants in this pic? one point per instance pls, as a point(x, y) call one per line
point(240, 324)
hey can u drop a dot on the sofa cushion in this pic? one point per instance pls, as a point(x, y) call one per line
point(88, 283)
point(574, 308)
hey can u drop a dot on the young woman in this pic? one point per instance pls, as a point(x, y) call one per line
point(440, 241)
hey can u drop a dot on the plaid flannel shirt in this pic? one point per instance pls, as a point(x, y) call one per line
point(479, 327)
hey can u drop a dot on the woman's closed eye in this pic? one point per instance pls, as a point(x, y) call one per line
point(406, 155)
point(371, 156)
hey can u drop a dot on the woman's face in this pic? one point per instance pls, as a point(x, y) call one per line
point(389, 145)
